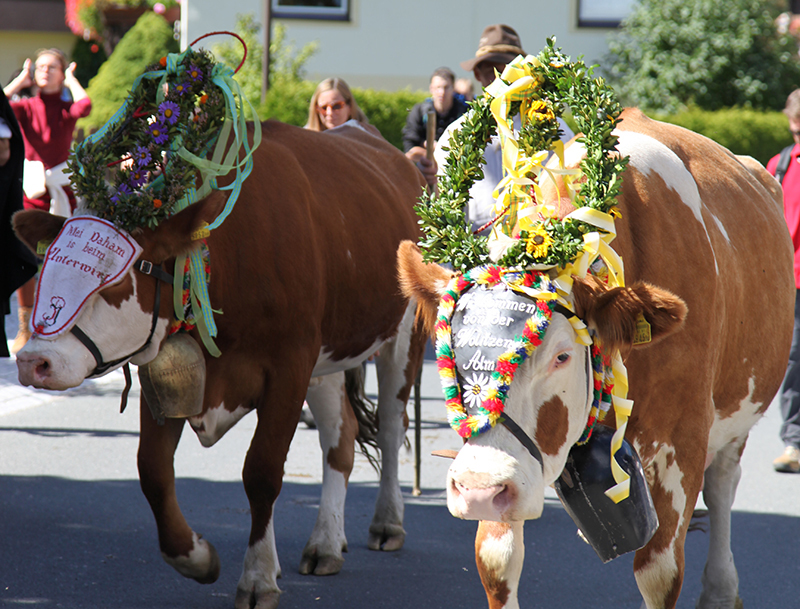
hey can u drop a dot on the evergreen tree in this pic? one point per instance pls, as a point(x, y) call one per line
point(144, 44)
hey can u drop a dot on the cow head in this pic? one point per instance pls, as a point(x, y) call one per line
point(119, 318)
point(494, 476)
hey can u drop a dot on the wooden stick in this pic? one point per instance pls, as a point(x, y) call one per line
point(430, 140)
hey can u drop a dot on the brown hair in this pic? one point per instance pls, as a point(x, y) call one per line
point(792, 109)
point(445, 74)
point(341, 86)
point(57, 53)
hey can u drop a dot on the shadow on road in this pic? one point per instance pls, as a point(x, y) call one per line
point(77, 544)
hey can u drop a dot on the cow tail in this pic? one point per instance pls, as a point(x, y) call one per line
point(366, 412)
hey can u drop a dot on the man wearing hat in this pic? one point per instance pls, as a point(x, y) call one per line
point(498, 46)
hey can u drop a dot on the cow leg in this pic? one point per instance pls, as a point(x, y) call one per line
point(499, 555)
point(278, 416)
point(720, 581)
point(181, 547)
point(397, 366)
point(337, 427)
point(659, 566)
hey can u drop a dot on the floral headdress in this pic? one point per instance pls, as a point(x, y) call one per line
point(528, 238)
point(181, 126)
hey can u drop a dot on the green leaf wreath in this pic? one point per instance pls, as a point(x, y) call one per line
point(557, 85)
point(135, 172)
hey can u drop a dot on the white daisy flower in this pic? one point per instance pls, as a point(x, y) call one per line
point(476, 389)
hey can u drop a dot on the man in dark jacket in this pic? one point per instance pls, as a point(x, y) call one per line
point(448, 107)
point(443, 100)
point(17, 262)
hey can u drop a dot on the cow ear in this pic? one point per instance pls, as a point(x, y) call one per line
point(423, 282)
point(614, 312)
point(177, 235)
point(35, 225)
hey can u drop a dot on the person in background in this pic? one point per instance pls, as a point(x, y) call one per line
point(499, 45)
point(464, 88)
point(332, 105)
point(443, 101)
point(784, 167)
point(47, 121)
point(19, 263)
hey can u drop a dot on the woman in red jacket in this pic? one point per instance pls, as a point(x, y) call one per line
point(47, 121)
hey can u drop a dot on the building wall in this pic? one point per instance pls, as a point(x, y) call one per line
point(393, 44)
point(27, 26)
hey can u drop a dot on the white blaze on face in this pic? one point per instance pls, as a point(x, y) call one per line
point(117, 331)
point(494, 477)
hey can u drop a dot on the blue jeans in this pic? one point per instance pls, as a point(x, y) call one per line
point(790, 390)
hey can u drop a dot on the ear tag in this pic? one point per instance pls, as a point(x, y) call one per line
point(201, 233)
point(643, 334)
point(41, 247)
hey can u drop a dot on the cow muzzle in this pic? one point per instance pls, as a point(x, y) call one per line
point(40, 364)
point(485, 483)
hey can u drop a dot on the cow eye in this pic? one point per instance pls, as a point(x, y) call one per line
point(562, 358)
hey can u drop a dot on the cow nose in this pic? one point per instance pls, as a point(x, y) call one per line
point(475, 497)
point(33, 370)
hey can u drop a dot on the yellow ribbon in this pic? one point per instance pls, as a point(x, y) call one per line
point(521, 176)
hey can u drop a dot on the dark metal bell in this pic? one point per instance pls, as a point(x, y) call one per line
point(612, 529)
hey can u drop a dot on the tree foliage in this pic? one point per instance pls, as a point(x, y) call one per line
point(144, 44)
point(286, 63)
point(671, 54)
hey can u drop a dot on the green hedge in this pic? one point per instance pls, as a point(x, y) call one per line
point(758, 134)
point(288, 102)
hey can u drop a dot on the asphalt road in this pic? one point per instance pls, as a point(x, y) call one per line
point(76, 532)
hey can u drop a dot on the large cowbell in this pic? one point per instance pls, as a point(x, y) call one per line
point(174, 382)
point(612, 529)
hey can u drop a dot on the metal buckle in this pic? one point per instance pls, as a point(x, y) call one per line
point(146, 267)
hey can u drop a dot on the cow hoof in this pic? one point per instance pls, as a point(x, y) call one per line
point(213, 567)
point(321, 565)
point(250, 599)
point(737, 604)
point(201, 564)
point(388, 538)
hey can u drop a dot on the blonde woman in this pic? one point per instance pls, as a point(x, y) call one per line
point(333, 105)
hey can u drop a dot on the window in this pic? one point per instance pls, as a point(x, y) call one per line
point(312, 9)
point(603, 13)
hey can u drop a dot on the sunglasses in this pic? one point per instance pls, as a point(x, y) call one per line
point(794, 133)
point(335, 106)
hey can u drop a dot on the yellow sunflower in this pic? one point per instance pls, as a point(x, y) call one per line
point(538, 110)
point(538, 242)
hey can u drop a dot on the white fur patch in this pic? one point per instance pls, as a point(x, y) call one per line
point(648, 154)
point(725, 430)
point(215, 422)
point(261, 567)
point(197, 563)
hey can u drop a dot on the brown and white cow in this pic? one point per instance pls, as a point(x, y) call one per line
point(303, 274)
point(707, 229)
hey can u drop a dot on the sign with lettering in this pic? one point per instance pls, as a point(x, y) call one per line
point(88, 255)
point(487, 322)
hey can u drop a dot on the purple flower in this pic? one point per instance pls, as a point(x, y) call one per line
point(181, 87)
point(169, 112)
point(159, 132)
point(122, 190)
point(138, 177)
point(142, 156)
point(195, 73)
